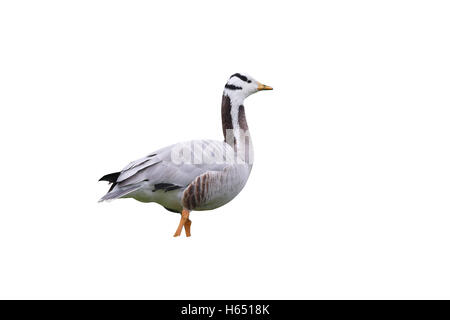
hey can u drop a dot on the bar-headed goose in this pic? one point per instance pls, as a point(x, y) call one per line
point(198, 174)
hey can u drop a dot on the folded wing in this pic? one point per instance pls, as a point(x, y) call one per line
point(176, 165)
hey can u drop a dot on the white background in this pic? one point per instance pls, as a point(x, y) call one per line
point(349, 194)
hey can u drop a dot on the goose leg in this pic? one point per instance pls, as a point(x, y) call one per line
point(184, 218)
point(187, 227)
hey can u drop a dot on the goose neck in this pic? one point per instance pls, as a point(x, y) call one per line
point(234, 126)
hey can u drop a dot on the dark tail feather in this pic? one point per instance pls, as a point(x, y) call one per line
point(112, 186)
point(111, 178)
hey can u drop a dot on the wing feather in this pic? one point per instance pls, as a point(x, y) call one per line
point(160, 167)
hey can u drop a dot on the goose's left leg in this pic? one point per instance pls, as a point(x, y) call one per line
point(187, 227)
point(183, 221)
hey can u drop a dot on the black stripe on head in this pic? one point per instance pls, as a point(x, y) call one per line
point(232, 87)
point(240, 76)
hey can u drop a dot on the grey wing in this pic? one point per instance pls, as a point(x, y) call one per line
point(177, 164)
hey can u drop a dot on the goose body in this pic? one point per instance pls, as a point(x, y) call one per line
point(201, 184)
point(198, 174)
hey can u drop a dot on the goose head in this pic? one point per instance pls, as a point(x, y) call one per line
point(241, 86)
